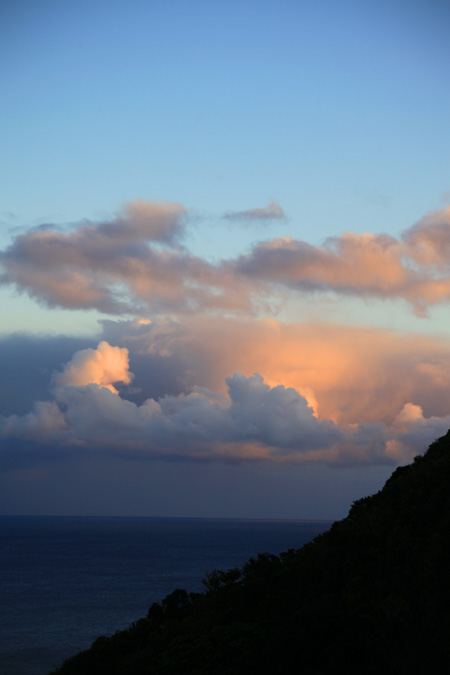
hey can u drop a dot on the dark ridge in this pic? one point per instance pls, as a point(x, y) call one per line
point(371, 595)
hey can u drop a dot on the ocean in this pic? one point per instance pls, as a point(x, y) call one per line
point(66, 580)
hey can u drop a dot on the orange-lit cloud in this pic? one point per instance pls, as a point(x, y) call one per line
point(348, 374)
point(102, 366)
point(135, 264)
point(227, 386)
point(380, 410)
point(428, 242)
point(414, 268)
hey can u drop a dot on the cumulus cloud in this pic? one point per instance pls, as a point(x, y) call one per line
point(350, 374)
point(252, 420)
point(102, 366)
point(45, 422)
point(412, 432)
point(272, 211)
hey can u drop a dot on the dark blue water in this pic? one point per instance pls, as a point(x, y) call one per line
point(65, 581)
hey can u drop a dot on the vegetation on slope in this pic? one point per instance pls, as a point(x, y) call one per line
point(371, 595)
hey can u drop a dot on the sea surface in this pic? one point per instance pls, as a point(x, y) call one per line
point(66, 580)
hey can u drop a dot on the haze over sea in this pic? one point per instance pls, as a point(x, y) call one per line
point(67, 580)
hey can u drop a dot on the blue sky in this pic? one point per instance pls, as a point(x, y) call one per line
point(336, 112)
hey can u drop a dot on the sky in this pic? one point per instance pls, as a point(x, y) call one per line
point(224, 253)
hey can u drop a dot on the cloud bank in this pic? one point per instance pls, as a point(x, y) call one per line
point(349, 374)
point(250, 421)
point(136, 264)
point(237, 387)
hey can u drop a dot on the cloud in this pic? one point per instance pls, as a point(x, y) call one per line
point(143, 220)
point(26, 364)
point(251, 421)
point(414, 268)
point(130, 264)
point(102, 366)
point(428, 241)
point(413, 432)
point(44, 422)
point(272, 211)
point(135, 264)
point(7, 217)
point(349, 374)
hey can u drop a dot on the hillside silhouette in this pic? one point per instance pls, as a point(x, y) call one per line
point(371, 595)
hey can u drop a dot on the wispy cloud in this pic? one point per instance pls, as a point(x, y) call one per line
point(272, 211)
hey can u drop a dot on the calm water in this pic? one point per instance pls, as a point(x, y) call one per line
point(65, 581)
